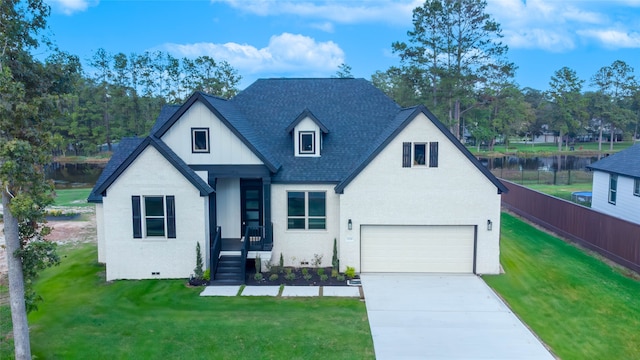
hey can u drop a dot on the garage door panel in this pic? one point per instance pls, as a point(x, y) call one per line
point(417, 248)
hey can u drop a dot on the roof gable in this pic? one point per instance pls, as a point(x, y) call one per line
point(307, 114)
point(400, 121)
point(625, 162)
point(119, 164)
point(229, 116)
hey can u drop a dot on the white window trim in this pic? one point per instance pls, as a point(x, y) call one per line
point(207, 149)
point(613, 190)
point(306, 216)
point(426, 154)
point(301, 151)
point(145, 217)
point(636, 187)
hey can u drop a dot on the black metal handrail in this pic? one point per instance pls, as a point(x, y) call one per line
point(255, 236)
point(216, 247)
point(243, 253)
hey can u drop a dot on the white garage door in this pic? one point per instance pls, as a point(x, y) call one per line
point(445, 249)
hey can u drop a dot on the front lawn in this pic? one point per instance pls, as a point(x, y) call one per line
point(578, 305)
point(85, 318)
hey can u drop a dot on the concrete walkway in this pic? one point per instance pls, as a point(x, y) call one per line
point(435, 316)
point(287, 291)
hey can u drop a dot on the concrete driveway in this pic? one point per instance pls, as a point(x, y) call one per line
point(436, 316)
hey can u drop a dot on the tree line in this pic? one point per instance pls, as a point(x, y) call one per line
point(455, 63)
point(121, 95)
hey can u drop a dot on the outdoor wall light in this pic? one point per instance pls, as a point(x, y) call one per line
point(349, 224)
point(489, 225)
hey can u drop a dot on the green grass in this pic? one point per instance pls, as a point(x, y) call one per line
point(72, 197)
point(83, 317)
point(578, 305)
point(560, 191)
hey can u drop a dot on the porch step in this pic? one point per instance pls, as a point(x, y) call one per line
point(229, 271)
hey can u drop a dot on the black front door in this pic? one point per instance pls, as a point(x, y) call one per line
point(250, 203)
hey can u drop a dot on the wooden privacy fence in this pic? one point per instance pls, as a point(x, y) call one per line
point(616, 239)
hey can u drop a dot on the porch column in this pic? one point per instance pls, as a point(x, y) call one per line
point(213, 224)
point(266, 193)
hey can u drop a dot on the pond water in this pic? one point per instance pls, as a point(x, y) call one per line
point(69, 175)
point(546, 163)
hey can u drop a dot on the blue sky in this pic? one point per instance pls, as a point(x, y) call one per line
point(311, 38)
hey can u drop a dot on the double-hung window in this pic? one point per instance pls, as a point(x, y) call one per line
point(419, 154)
point(153, 216)
point(307, 142)
point(200, 140)
point(636, 187)
point(613, 188)
point(306, 210)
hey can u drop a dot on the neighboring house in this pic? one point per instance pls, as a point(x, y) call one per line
point(290, 165)
point(616, 184)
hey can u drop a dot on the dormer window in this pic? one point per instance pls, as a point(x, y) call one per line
point(307, 142)
point(200, 140)
point(307, 134)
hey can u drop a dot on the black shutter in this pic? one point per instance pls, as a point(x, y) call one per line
point(433, 154)
point(406, 154)
point(171, 217)
point(137, 217)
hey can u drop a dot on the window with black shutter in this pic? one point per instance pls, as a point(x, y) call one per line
point(171, 217)
point(406, 154)
point(137, 217)
point(433, 154)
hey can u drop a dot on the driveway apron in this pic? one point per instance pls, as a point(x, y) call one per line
point(442, 316)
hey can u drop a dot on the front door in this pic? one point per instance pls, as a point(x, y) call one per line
point(250, 203)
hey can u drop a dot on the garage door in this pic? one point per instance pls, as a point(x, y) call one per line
point(445, 249)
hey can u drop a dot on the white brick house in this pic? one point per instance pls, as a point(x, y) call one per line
point(289, 165)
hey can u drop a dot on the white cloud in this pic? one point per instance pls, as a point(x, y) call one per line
point(345, 12)
point(560, 25)
point(614, 38)
point(324, 26)
point(72, 6)
point(286, 53)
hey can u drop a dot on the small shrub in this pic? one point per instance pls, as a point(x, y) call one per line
point(317, 260)
point(320, 271)
point(334, 260)
point(324, 277)
point(334, 273)
point(307, 276)
point(290, 276)
point(350, 273)
point(258, 264)
point(340, 277)
point(199, 264)
point(273, 277)
point(305, 271)
point(258, 276)
point(207, 275)
point(281, 263)
point(288, 270)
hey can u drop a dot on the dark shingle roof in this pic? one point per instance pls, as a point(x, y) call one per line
point(361, 120)
point(119, 163)
point(352, 109)
point(626, 162)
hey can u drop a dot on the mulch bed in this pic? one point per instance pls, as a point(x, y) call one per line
point(299, 280)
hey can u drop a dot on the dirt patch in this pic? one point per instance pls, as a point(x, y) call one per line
point(74, 231)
